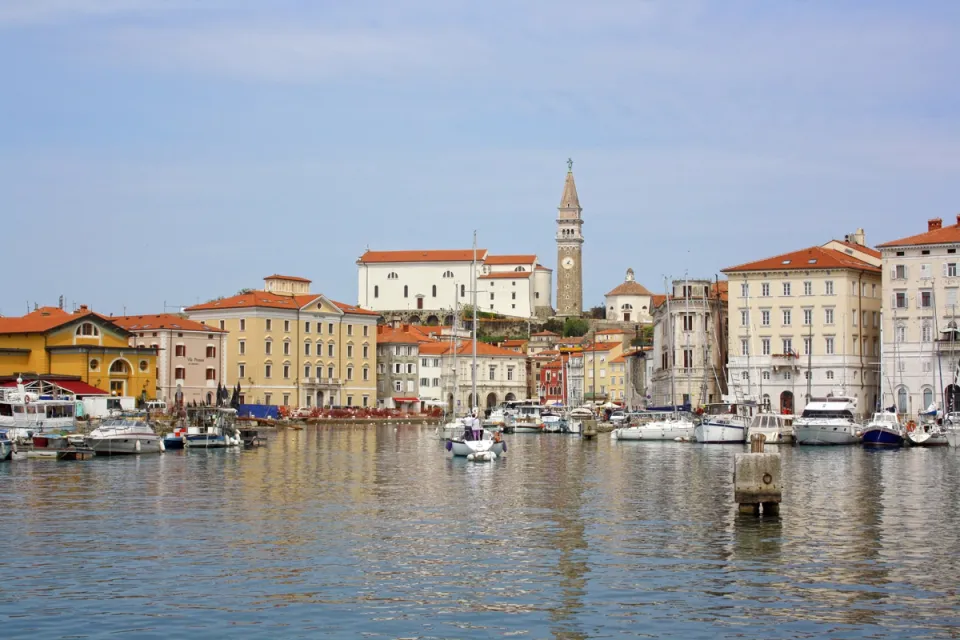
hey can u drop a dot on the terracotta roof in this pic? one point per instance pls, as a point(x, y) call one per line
point(544, 333)
point(434, 348)
point(441, 255)
point(805, 259)
point(506, 275)
point(389, 335)
point(859, 247)
point(618, 360)
point(515, 343)
point(610, 332)
point(540, 267)
point(466, 348)
point(944, 235)
point(44, 319)
point(600, 346)
point(721, 289)
point(277, 276)
point(511, 259)
point(161, 321)
point(630, 288)
point(657, 299)
point(350, 308)
point(271, 300)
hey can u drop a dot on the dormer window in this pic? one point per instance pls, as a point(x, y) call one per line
point(88, 329)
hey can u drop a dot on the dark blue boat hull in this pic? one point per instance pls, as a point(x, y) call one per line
point(173, 443)
point(882, 438)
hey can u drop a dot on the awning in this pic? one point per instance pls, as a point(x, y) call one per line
point(80, 388)
point(406, 399)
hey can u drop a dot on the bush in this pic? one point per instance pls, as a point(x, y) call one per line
point(575, 327)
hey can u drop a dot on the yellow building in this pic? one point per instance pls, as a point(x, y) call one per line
point(287, 346)
point(51, 341)
point(601, 378)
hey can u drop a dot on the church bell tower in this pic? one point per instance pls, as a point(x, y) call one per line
point(569, 249)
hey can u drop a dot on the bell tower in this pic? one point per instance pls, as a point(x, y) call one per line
point(569, 249)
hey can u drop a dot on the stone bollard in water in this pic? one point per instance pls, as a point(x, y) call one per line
point(756, 479)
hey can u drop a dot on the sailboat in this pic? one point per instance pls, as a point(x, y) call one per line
point(928, 433)
point(453, 428)
point(491, 444)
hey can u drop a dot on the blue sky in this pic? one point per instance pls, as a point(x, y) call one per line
point(170, 151)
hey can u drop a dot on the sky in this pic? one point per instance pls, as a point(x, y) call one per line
point(159, 153)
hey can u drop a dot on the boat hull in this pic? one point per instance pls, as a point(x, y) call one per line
point(527, 428)
point(206, 441)
point(463, 448)
point(126, 445)
point(171, 443)
point(772, 436)
point(881, 437)
point(654, 432)
point(824, 434)
point(713, 433)
point(926, 439)
point(6, 450)
point(953, 437)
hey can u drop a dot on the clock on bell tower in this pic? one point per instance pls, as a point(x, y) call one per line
point(569, 249)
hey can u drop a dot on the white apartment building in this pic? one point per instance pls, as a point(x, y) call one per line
point(689, 345)
point(921, 277)
point(501, 375)
point(806, 324)
point(427, 285)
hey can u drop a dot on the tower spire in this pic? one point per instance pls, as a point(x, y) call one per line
point(569, 199)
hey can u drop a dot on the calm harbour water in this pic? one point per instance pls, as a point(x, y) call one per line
point(344, 532)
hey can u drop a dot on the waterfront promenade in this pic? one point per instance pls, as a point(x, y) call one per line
point(341, 532)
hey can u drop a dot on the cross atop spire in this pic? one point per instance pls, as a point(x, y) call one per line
point(569, 199)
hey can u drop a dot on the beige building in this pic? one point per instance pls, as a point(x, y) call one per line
point(807, 323)
point(191, 357)
point(287, 346)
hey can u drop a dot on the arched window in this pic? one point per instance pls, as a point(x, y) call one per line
point(406, 291)
point(434, 291)
point(88, 329)
point(392, 275)
point(626, 307)
point(119, 366)
point(448, 274)
point(902, 400)
point(927, 398)
point(521, 268)
point(376, 291)
point(829, 375)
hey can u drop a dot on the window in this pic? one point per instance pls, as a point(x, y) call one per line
point(411, 368)
point(306, 327)
point(286, 348)
point(787, 317)
point(243, 324)
point(330, 350)
point(330, 328)
point(463, 290)
point(286, 399)
point(787, 345)
point(806, 375)
point(766, 375)
point(398, 367)
point(211, 373)
point(349, 350)
point(241, 347)
point(366, 351)
point(180, 373)
point(349, 373)
point(211, 352)
point(330, 371)
point(307, 370)
point(853, 316)
point(926, 299)
point(828, 287)
point(514, 294)
point(223, 325)
point(900, 272)
point(786, 288)
point(268, 371)
point(744, 318)
point(349, 329)
point(286, 371)
point(269, 324)
point(180, 351)
point(306, 348)
point(744, 347)
point(866, 319)
point(406, 291)
point(436, 382)
point(366, 372)
point(242, 371)
point(376, 291)
point(829, 345)
point(900, 300)
point(744, 375)
point(397, 385)
point(765, 289)
point(493, 372)
point(926, 272)
point(688, 322)
point(744, 290)
point(423, 362)
point(926, 332)
point(87, 329)
point(509, 373)
point(765, 346)
point(286, 326)
point(448, 274)
point(807, 288)
point(688, 358)
point(765, 317)
point(806, 346)
point(807, 317)
point(365, 328)
point(829, 375)
point(950, 270)
point(267, 398)
point(900, 333)
point(787, 375)
point(951, 297)
point(424, 382)
point(828, 316)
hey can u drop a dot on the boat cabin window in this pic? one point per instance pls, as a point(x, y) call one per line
point(6, 410)
point(31, 409)
point(113, 404)
point(59, 410)
point(17, 408)
point(828, 413)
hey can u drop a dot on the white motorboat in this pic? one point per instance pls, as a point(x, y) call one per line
point(659, 426)
point(24, 413)
point(828, 421)
point(575, 418)
point(124, 435)
point(777, 428)
point(529, 419)
point(927, 433)
point(553, 423)
point(211, 428)
point(501, 418)
point(723, 423)
point(490, 441)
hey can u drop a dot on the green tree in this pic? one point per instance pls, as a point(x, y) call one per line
point(554, 325)
point(598, 312)
point(575, 327)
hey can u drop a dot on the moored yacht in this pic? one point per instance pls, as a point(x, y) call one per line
point(723, 423)
point(124, 435)
point(883, 430)
point(529, 419)
point(658, 426)
point(777, 428)
point(25, 413)
point(827, 421)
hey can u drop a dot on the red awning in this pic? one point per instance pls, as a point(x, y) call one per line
point(406, 399)
point(80, 388)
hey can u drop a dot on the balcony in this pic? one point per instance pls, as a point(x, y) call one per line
point(323, 383)
point(784, 361)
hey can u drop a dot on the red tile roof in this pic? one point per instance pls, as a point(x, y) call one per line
point(610, 332)
point(466, 348)
point(353, 309)
point(271, 300)
point(545, 334)
point(160, 321)
point(45, 319)
point(629, 289)
point(441, 255)
point(870, 251)
point(513, 343)
point(944, 235)
point(511, 259)
point(540, 267)
point(277, 276)
point(506, 275)
point(389, 335)
point(805, 259)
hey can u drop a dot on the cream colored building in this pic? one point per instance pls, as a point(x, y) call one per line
point(287, 346)
point(807, 323)
point(921, 278)
point(601, 377)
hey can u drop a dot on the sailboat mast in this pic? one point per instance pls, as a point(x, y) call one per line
point(673, 367)
point(473, 376)
point(810, 363)
point(455, 339)
point(686, 335)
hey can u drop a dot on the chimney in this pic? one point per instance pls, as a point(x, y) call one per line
point(81, 309)
point(936, 223)
point(958, 219)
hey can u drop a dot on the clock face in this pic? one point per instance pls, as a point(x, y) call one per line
point(567, 263)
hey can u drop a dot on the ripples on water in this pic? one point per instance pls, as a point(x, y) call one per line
point(346, 532)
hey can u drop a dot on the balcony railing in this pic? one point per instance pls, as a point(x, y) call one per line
point(323, 382)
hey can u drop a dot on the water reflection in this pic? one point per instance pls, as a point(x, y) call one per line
point(338, 532)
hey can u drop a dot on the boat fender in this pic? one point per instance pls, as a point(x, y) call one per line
point(911, 426)
point(136, 446)
point(163, 447)
point(449, 446)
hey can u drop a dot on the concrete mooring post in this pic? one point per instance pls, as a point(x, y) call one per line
point(756, 479)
